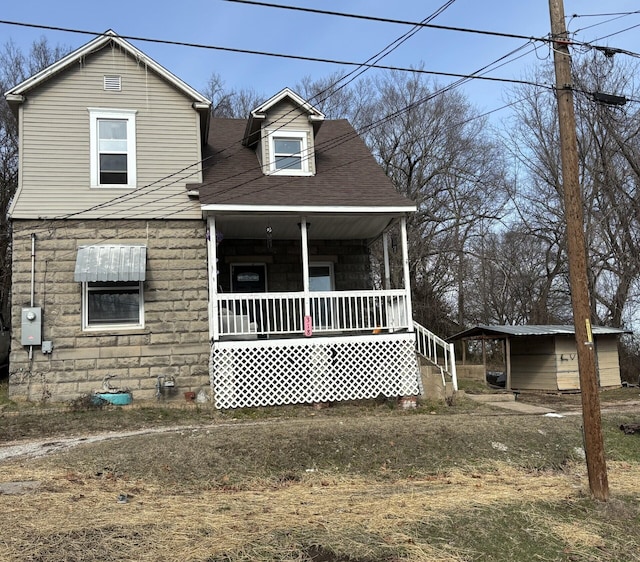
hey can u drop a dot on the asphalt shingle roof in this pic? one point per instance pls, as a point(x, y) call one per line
point(346, 172)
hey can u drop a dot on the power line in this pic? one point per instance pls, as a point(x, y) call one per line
point(452, 28)
point(391, 20)
point(333, 143)
point(144, 191)
point(605, 15)
point(270, 54)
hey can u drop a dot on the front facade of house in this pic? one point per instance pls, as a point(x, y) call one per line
point(168, 252)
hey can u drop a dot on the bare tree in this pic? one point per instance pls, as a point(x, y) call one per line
point(516, 279)
point(609, 151)
point(235, 104)
point(439, 153)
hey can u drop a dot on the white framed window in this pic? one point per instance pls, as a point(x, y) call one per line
point(289, 153)
point(112, 147)
point(112, 305)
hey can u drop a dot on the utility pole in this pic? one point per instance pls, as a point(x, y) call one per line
point(576, 249)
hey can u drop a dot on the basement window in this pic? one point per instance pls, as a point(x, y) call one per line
point(113, 305)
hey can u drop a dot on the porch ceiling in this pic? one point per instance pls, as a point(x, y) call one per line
point(285, 227)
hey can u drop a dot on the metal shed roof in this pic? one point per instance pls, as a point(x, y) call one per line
point(113, 262)
point(531, 330)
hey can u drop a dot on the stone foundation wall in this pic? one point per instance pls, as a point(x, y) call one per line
point(173, 342)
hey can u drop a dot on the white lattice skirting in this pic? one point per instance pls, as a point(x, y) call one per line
point(269, 373)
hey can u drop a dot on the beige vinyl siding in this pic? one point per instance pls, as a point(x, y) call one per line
point(567, 363)
point(533, 364)
point(285, 116)
point(55, 171)
point(608, 361)
point(551, 363)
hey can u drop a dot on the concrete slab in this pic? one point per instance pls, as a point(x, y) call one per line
point(508, 401)
point(506, 397)
point(521, 407)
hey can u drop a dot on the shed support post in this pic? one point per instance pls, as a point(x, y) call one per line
point(507, 360)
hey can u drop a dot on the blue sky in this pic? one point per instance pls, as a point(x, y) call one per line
point(220, 23)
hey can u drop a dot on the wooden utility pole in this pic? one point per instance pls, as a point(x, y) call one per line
point(576, 250)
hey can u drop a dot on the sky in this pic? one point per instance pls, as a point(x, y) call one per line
point(226, 24)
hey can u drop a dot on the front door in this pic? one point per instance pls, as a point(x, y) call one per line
point(321, 279)
point(250, 278)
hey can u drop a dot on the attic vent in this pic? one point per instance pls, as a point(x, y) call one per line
point(113, 83)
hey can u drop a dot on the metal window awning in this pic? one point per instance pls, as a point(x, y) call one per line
point(112, 262)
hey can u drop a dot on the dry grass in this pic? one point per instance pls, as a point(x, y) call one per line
point(332, 487)
point(73, 518)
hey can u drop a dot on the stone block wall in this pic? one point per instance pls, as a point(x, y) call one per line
point(173, 342)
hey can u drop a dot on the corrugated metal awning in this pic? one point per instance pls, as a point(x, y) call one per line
point(484, 330)
point(113, 262)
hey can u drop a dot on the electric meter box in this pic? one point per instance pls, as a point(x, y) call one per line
point(31, 325)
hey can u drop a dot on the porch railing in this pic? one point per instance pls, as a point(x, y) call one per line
point(437, 351)
point(280, 314)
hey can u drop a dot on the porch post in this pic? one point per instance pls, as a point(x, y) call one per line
point(405, 267)
point(385, 251)
point(305, 265)
point(212, 251)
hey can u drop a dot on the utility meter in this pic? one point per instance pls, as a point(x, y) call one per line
point(31, 325)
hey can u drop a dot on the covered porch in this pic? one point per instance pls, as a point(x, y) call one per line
point(298, 316)
point(284, 275)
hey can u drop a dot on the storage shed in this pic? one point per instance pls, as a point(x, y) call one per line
point(544, 357)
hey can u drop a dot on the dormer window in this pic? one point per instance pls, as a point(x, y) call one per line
point(289, 153)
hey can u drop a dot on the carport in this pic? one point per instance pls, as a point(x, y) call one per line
point(544, 357)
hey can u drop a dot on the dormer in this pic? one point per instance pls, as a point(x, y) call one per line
point(282, 131)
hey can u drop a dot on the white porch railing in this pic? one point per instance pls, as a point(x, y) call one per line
point(438, 351)
point(264, 314)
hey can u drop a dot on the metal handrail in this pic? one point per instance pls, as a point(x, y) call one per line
point(437, 351)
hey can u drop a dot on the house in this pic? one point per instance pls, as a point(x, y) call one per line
point(544, 357)
point(173, 252)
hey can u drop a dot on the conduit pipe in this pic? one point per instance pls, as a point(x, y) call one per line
point(33, 280)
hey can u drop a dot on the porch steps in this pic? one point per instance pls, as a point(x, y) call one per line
point(434, 386)
point(437, 353)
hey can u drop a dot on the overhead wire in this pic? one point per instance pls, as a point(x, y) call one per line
point(381, 54)
point(327, 146)
point(334, 143)
point(391, 20)
point(617, 17)
point(268, 54)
